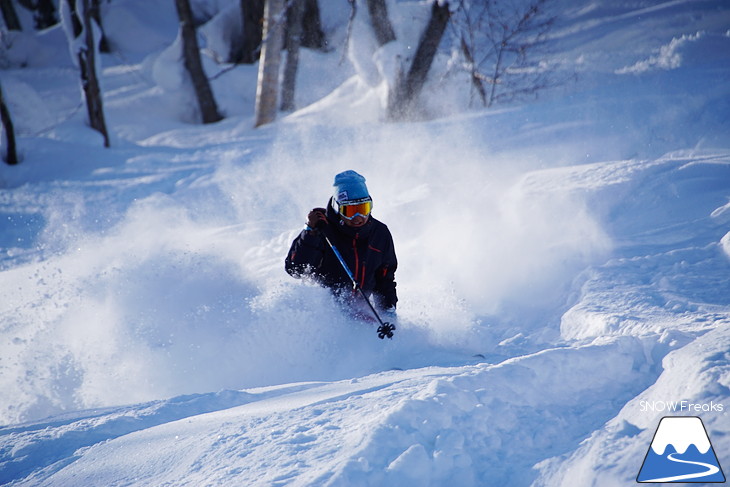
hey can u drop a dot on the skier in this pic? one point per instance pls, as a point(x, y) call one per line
point(364, 243)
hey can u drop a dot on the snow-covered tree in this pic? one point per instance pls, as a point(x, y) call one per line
point(194, 67)
point(381, 58)
point(408, 87)
point(84, 50)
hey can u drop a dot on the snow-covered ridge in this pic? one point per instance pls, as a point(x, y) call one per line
point(561, 264)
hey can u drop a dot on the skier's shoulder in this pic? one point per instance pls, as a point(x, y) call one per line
point(379, 226)
point(380, 236)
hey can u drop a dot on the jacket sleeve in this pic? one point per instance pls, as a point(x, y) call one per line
point(385, 293)
point(305, 254)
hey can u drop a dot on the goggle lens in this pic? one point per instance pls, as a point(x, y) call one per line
point(351, 210)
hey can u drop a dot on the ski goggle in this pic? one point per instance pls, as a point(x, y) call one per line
point(351, 209)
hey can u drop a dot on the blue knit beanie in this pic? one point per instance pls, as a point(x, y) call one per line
point(350, 186)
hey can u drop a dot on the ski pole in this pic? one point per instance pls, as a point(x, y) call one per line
point(385, 329)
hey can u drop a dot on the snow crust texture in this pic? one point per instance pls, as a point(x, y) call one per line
point(564, 264)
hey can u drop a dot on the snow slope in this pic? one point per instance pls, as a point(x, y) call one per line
point(563, 265)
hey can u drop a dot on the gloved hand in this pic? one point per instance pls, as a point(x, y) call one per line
point(316, 217)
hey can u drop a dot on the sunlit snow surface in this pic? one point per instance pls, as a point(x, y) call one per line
point(563, 264)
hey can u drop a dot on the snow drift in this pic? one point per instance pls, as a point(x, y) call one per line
point(561, 265)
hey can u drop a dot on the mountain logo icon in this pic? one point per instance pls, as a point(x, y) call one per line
point(681, 452)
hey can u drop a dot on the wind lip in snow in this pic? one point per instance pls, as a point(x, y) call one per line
point(580, 241)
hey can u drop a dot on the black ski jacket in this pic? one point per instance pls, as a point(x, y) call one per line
point(368, 252)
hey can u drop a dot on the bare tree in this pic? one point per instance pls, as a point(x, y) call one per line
point(11, 155)
point(252, 13)
point(44, 12)
point(312, 34)
point(267, 88)
point(194, 67)
point(10, 15)
point(501, 42)
point(78, 27)
point(474, 75)
point(408, 88)
point(380, 21)
point(88, 67)
point(96, 15)
point(293, 41)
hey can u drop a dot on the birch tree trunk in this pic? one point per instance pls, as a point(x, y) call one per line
point(293, 42)
point(267, 88)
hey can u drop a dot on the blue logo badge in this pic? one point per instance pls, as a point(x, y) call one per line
point(681, 452)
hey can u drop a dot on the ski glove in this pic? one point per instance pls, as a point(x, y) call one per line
point(316, 216)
